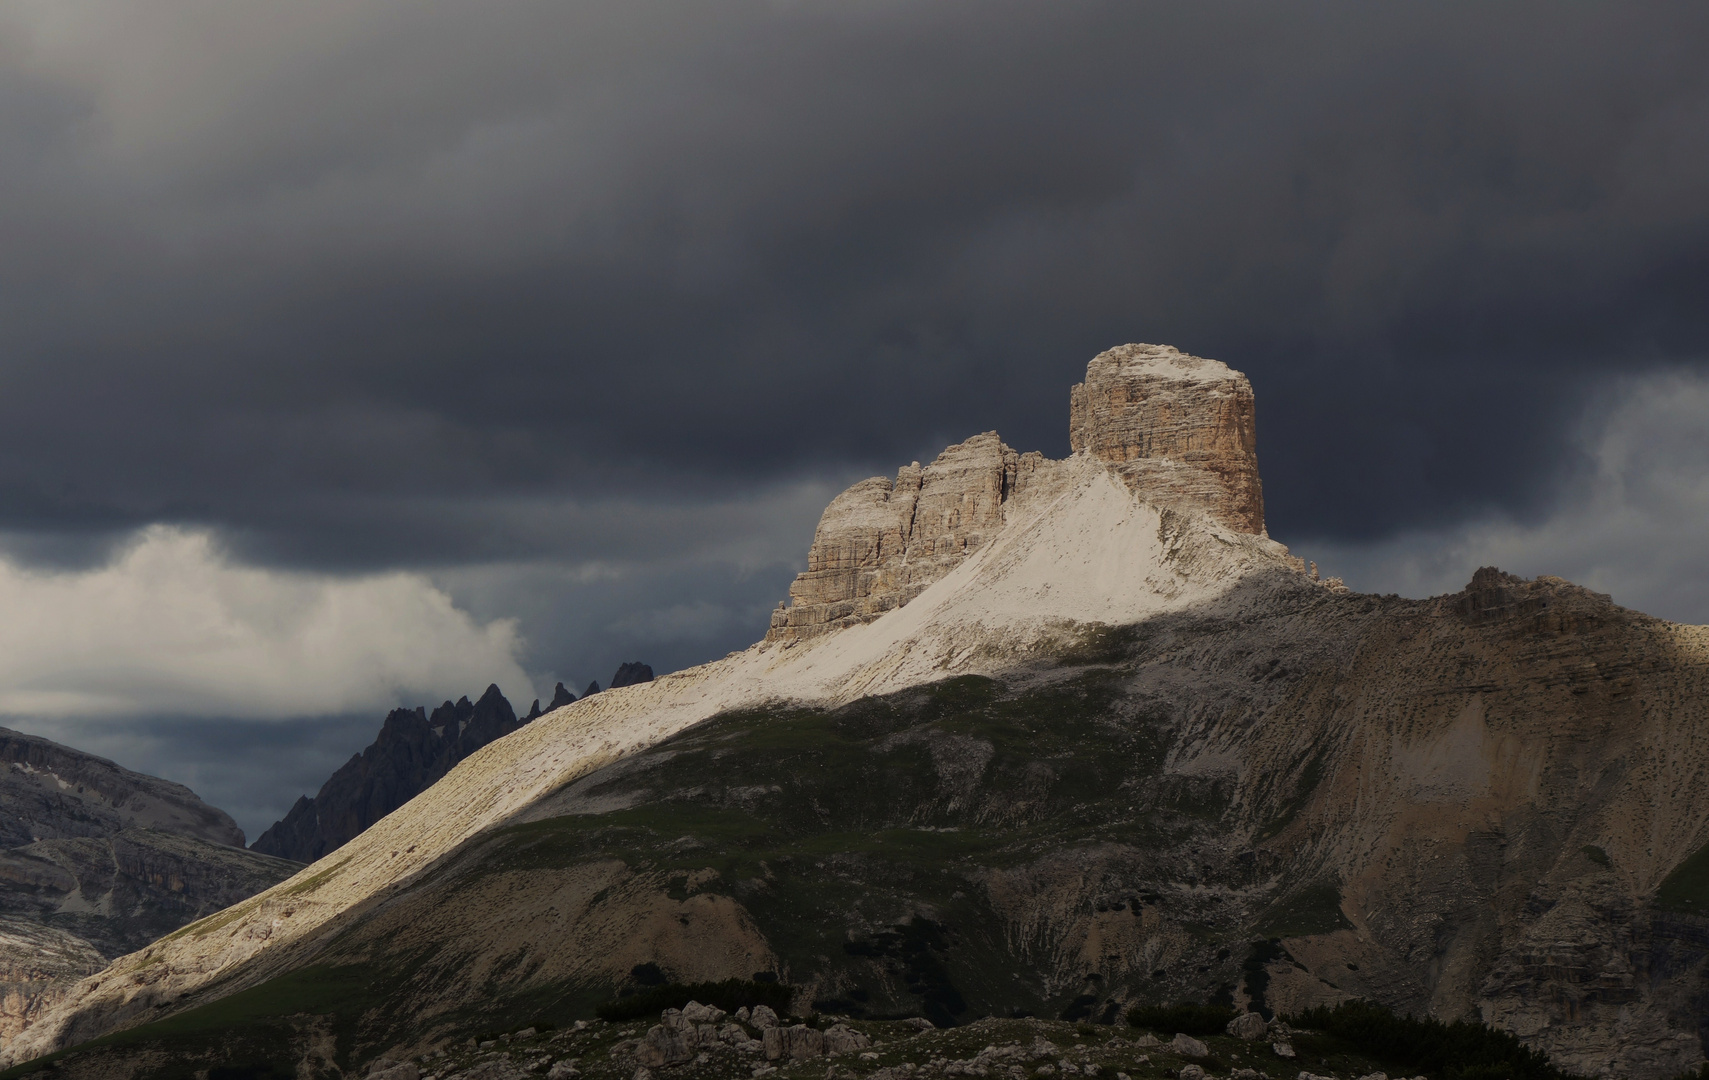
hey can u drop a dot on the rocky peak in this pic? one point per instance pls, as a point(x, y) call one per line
point(881, 542)
point(413, 750)
point(631, 673)
point(1179, 429)
point(1176, 429)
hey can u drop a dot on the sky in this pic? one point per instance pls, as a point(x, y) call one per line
point(360, 353)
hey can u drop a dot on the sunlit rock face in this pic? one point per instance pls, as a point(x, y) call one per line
point(1179, 429)
point(881, 542)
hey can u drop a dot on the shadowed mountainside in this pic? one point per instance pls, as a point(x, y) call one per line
point(97, 861)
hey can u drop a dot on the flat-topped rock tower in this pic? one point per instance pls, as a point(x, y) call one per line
point(1179, 430)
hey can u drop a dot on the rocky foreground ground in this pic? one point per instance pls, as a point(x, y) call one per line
point(702, 1043)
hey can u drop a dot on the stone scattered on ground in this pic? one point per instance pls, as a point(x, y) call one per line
point(700, 1042)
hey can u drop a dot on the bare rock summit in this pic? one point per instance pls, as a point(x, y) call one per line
point(1179, 429)
point(1176, 429)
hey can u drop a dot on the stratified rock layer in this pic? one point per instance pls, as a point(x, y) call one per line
point(1180, 429)
point(882, 542)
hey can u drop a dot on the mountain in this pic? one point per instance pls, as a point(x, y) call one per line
point(411, 753)
point(1031, 736)
point(97, 861)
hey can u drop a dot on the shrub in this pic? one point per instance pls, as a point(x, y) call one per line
point(1463, 1050)
point(1183, 1016)
point(729, 995)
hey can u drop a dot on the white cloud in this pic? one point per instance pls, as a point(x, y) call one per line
point(172, 626)
point(1634, 524)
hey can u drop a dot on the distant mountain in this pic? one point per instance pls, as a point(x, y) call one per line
point(411, 753)
point(97, 861)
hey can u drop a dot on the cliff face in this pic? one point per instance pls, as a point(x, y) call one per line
point(882, 542)
point(1179, 429)
point(97, 861)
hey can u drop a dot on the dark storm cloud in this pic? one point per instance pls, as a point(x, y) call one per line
point(336, 278)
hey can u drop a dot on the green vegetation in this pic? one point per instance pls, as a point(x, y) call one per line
point(1686, 890)
point(1184, 1017)
point(243, 1033)
point(1257, 975)
point(1463, 1050)
point(1596, 855)
point(1315, 909)
point(729, 995)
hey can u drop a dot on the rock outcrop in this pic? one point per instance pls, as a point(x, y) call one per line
point(96, 861)
point(1180, 429)
point(412, 751)
point(882, 542)
point(37, 963)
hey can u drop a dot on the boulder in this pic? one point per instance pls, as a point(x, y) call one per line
point(1249, 1026)
point(842, 1039)
point(665, 1045)
point(696, 1013)
point(1187, 1046)
point(797, 1042)
point(763, 1017)
point(563, 1070)
point(1191, 1072)
point(1282, 1049)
